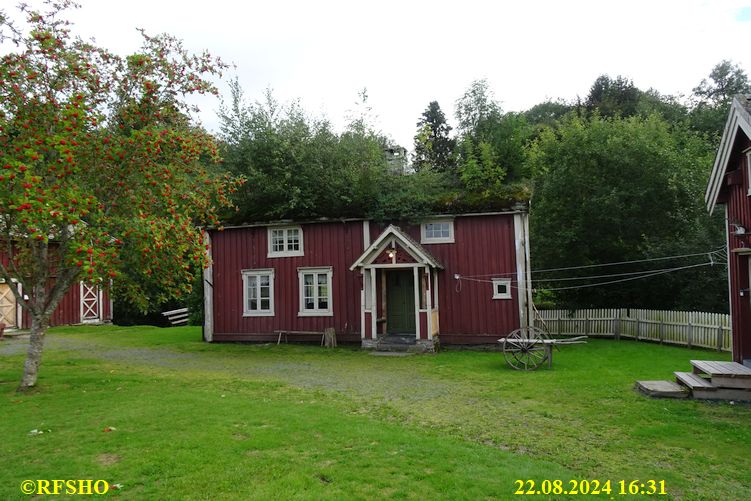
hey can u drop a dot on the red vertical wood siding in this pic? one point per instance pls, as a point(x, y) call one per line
point(483, 248)
point(368, 326)
point(423, 325)
point(739, 212)
point(68, 312)
point(337, 245)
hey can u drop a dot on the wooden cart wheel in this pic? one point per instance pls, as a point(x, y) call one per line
point(524, 349)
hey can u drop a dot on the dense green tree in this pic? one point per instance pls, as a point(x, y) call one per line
point(434, 148)
point(713, 95)
point(612, 97)
point(475, 106)
point(725, 81)
point(671, 108)
point(619, 189)
point(299, 167)
point(491, 153)
point(548, 113)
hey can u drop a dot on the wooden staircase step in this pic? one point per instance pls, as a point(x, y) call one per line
point(693, 382)
point(662, 389)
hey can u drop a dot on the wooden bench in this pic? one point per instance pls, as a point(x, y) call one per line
point(177, 317)
point(286, 333)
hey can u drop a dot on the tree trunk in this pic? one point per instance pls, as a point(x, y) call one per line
point(34, 355)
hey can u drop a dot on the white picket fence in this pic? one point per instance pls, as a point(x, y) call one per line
point(688, 328)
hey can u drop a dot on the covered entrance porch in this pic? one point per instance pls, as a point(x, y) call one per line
point(399, 295)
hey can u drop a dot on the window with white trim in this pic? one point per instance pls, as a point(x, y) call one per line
point(748, 170)
point(437, 232)
point(258, 293)
point(315, 292)
point(501, 288)
point(285, 241)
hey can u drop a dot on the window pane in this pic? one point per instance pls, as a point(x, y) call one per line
point(322, 278)
point(309, 303)
point(253, 306)
point(277, 240)
point(265, 291)
point(265, 279)
point(437, 230)
point(265, 304)
point(293, 239)
point(308, 278)
point(323, 303)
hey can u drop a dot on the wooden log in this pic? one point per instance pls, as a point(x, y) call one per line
point(329, 337)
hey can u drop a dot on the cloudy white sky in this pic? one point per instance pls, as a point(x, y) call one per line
point(410, 52)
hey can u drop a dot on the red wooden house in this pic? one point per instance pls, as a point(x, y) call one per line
point(730, 186)
point(460, 278)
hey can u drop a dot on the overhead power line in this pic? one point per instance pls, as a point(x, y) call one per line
point(641, 275)
point(717, 253)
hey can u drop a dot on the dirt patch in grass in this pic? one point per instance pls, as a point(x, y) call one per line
point(108, 459)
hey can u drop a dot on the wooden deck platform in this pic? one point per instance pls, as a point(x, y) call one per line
point(724, 374)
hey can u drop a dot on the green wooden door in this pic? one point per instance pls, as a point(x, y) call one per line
point(400, 302)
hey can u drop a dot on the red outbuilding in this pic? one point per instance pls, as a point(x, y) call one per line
point(84, 303)
point(458, 278)
point(730, 186)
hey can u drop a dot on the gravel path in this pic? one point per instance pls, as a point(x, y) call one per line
point(366, 376)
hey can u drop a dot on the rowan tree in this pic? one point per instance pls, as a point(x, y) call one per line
point(103, 174)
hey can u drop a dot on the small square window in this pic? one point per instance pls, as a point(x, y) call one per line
point(285, 242)
point(437, 232)
point(501, 288)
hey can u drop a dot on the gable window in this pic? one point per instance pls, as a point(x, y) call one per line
point(501, 288)
point(437, 232)
point(315, 292)
point(748, 170)
point(258, 293)
point(285, 242)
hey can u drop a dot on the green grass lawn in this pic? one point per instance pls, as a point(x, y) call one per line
point(200, 421)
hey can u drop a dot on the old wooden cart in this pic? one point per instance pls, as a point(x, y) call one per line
point(528, 348)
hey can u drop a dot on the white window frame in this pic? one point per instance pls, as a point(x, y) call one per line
point(501, 295)
point(425, 239)
point(258, 273)
point(316, 312)
point(748, 170)
point(286, 252)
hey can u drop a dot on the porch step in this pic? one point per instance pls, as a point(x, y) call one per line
point(398, 339)
point(403, 343)
point(693, 382)
point(724, 374)
point(703, 389)
point(662, 389)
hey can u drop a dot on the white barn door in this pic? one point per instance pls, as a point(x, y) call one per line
point(7, 306)
point(91, 303)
